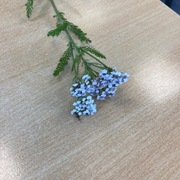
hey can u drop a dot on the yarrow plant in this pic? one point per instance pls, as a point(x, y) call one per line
point(98, 81)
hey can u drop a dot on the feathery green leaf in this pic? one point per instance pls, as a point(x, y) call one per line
point(92, 51)
point(29, 8)
point(78, 32)
point(58, 30)
point(61, 14)
point(63, 61)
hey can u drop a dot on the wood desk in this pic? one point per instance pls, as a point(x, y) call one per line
point(134, 135)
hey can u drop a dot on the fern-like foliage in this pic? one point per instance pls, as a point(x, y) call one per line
point(58, 30)
point(92, 51)
point(29, 8)
point(78, 32)
point(73, 28)
point(63, 61)
point(60, 16)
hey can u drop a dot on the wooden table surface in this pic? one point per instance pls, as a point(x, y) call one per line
point(134, 135)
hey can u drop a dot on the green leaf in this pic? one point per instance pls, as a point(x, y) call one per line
point(78, 32)
point(92, 51)
point(58, 30)
point(29, 8)
point(61, 14)
point(63, 61)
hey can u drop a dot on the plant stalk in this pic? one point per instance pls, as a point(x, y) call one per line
point(60, 21)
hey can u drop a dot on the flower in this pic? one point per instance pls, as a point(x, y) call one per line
point(104, 85)
point(78, 90)
point(86, 79)
point(85, 106)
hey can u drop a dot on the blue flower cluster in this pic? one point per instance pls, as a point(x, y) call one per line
point(105, 85)
point(85, 106)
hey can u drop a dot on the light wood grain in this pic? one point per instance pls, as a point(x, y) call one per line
point(134, 135)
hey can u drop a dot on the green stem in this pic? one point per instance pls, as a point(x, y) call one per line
point(96, 59)
point(60, 21)
point(54, 7)
point(73, 45)
point(77, 50)
point(88, 69)
point(71, 39)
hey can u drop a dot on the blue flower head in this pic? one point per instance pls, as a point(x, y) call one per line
point(85, 106)
point(105, 85)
